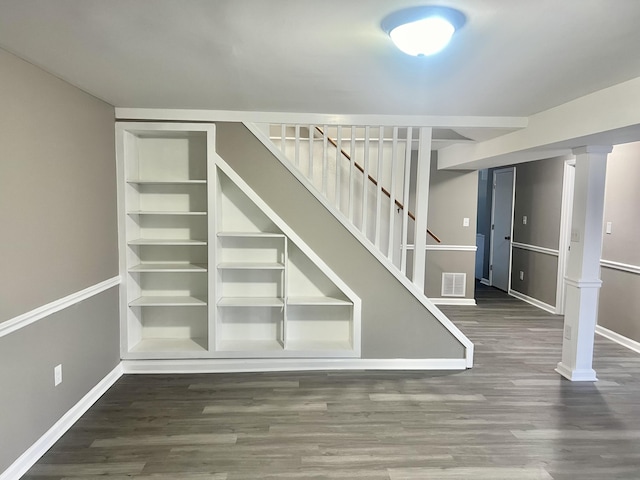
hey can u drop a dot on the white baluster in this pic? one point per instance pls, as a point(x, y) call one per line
point(365, 182)
point(283, 138)
point(352, 153)
point(297, 147)
point(338, 161)
point(405, 200)
point(392, 192)
point(325, 161)
point(422, 206)
point(379, 186)
point(310, 166)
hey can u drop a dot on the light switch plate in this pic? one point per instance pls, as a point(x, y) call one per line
point(465, 222)
point(524, 219)
point(608, 228)
point(57, 375)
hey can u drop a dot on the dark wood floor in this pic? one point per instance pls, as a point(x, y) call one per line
point(510, 417)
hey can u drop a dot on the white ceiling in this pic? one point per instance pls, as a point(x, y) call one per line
point(513, 57)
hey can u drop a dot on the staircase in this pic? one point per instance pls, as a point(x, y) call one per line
point(375, 181)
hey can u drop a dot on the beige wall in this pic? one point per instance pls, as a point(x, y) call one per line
point(394, 323)
point(619, 305)
point(58, 217)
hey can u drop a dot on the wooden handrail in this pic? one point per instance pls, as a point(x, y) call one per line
point(374, 181)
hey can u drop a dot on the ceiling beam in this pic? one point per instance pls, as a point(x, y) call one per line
point(607, 117)
point(292, 118)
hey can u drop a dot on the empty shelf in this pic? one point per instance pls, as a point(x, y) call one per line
point(317, 301)
point(250, 302)
point(168, 267)
point(166, 241)
point(167, 301)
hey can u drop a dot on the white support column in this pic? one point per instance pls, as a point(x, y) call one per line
point(422, 206)
point(583, 270)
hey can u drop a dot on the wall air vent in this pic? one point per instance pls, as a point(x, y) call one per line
point(454, 284)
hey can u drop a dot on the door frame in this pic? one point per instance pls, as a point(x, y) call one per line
point(493, 209)
point(566, 213)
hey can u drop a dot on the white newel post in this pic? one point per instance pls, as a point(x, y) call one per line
point(422, 206)
point(583, 269)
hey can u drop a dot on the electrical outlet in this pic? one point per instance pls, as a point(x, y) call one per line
point(524, 220)
point(521, 275)
point(608, 229)
point(465, 222)
point(57, 375)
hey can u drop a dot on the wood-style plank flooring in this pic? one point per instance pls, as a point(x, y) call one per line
point(510, 417)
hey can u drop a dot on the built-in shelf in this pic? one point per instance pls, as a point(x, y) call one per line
point(151, 212)
point(317, 301)
point(167, 182)
point(166, 241)
point(250, 266)
point(167, 301)
point(170, 345)
point(250, 302)
point(312, 345)
point(168, 267)
point(249, 346)
point(250, 235)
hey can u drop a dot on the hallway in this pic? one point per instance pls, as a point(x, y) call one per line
point(510, 417)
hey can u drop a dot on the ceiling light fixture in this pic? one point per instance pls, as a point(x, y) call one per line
point(422, 31)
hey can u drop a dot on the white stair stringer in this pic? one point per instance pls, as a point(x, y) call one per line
point(410, 286)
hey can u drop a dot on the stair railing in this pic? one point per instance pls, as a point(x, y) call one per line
point(374, 177)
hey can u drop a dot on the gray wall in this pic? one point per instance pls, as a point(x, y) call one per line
point(619, 304)
point(538, 197)
point(58, 217)
point(394, 323)
point(453, 195)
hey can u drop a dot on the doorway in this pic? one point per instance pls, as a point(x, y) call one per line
point(501, 228)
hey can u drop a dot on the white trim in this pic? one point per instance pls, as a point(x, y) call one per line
point(485, 281)
point(535, 248)
point(39, 313)
point(453, 301)
point(566, 214)
point(583, 283)
point(588, 375)
point(288, 364)
point(417, 293)
point(447, 248)
point(187, 115)
point(623, 267)
point(533, 301)
point(51, 436)
point(619, 339)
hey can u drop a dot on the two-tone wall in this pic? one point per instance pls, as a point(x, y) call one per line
point(58, 238)
point(536, 229)
point(453, 197)
point(619, 302)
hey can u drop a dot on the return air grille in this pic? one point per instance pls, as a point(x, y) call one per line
point(453, 284)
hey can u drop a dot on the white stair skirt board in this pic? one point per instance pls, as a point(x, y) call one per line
point(46, 441)
point(454, 301)
point(619, 339)
point(533, 301)
point(576, 375)
point(289, 364)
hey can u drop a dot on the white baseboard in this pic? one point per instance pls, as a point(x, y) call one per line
point(485, 281)
point(619, 339)
point(453, 301)
point(289, 364)
point(533, 301)
point(46, 441)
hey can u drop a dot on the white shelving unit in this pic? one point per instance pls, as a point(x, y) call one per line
point(164, 239)
point(209, 271)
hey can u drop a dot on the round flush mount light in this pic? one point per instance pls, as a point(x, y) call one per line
point(422, 31)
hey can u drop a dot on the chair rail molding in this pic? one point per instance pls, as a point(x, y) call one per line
point(39, 313)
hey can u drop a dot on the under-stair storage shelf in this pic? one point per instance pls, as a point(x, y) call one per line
point(209, 271)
